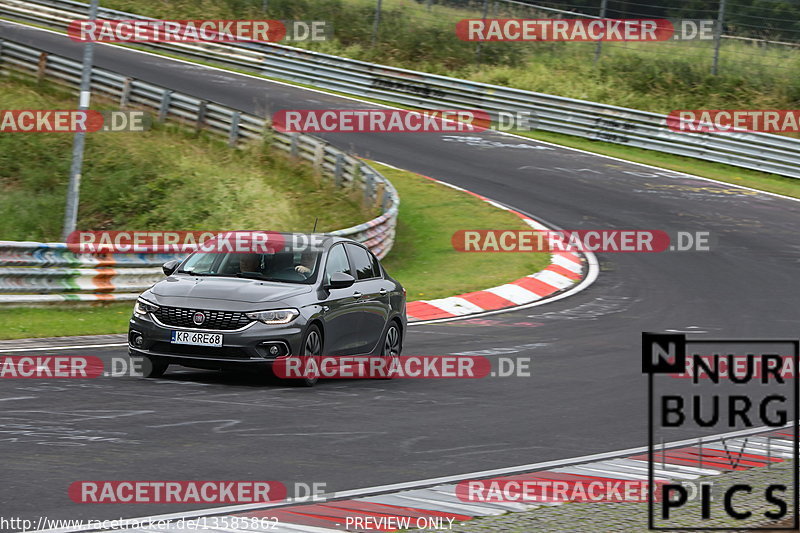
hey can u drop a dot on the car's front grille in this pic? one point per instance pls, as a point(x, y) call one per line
point(200, 352)
point(182, 317)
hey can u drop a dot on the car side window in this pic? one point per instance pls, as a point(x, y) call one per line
point(376, 266)
point(337, 262)
point(361, 261)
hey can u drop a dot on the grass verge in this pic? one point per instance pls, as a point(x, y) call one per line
point(165, 178)
point(423, 259)
point(62, 321)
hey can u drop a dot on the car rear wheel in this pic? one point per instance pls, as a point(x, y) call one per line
point(390, 352)
point(311, 347)
point(153, 367)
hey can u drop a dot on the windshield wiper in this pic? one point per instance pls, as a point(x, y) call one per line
point(260, 277)
point(191, 273)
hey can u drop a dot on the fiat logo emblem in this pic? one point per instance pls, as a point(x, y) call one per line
point(198, 318)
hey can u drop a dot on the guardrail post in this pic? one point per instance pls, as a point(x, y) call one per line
point(42, 66)
point(201, 115)
point(163, 109)
point(293, 147)
point(125, 97)
point(267, 133)
point(319, 155)
point(380, 191)
point(369, 185)
point(233, 135)
point(337, 169)
point(387, 199)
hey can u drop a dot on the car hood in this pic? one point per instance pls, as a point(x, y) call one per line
point(178, 290)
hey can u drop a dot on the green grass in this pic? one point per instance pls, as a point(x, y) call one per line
point(57, 321)
point(166, 178)
point(422, 259)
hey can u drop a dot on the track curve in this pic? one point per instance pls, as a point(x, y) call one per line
point(586, 395)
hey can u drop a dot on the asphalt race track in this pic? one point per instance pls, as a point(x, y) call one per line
point(586, 393)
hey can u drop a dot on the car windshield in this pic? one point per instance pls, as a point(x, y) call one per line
point(284, 267)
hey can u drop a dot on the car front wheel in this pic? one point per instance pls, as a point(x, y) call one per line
point(311, 347)
point(390, 352)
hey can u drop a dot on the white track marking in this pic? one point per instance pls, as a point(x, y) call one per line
point(514, 293)
point(553, 278)
point(439, 505)
point(17, 398)
point(455, 305)
point(387, 491)
point(570, 265)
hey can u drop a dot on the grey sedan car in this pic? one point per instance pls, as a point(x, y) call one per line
point(223, 310)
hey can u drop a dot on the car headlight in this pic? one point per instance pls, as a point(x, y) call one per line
point(142, 307)
point(275, 316)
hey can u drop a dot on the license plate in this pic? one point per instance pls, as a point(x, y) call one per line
point(196, 339)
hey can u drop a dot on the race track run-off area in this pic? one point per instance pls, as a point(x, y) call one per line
point(586, 393)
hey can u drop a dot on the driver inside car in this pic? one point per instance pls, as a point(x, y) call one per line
point(307, 261)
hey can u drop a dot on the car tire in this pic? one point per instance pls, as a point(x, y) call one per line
point(391, 346)
point(310, 347)
point(153, 367)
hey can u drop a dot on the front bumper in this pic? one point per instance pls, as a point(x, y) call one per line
point(245, 346)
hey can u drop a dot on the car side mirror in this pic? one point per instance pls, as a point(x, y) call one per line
point(170, 266)
point(340, 280)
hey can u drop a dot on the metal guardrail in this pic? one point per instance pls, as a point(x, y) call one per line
point(49, 269)
point(57, 274)
point(757, 151)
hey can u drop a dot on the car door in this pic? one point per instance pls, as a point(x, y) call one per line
point(373, 297)
point(340, 307)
